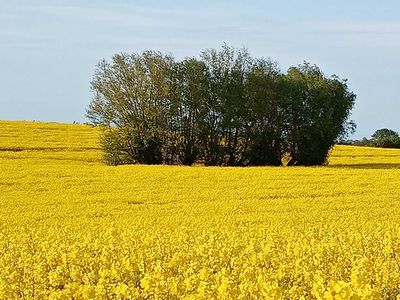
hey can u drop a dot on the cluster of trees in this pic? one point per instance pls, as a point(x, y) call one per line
point(384, 138)
point(223, 108)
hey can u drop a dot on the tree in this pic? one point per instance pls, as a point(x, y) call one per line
point(317, 109)
point(386, 138)
point(131, 103)
point(223, 108)
point(189, 92)
point(265, 116)
point(242, 124)
point(223, 131)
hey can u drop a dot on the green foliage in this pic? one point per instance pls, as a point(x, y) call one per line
point(115, 148)
point(224, 108)
point(386, 138)
point(316, 108)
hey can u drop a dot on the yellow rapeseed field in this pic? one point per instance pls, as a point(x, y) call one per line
point(74, 228)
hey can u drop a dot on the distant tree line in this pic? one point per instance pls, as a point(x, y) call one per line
point(224, 108)
point(383, 138)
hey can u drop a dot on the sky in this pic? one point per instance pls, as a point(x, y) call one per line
point(49, 48)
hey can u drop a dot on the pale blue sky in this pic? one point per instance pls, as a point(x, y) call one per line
point(49, 48)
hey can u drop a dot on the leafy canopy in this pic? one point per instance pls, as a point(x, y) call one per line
point(223, 108)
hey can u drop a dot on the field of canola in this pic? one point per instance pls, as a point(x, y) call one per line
point(74, 228)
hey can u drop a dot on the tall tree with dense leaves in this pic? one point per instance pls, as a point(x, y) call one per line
point(317, 109)
point(265, 116)
point(189, 93)
point(223, 128)
point(386, 138)
point(131, 101)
